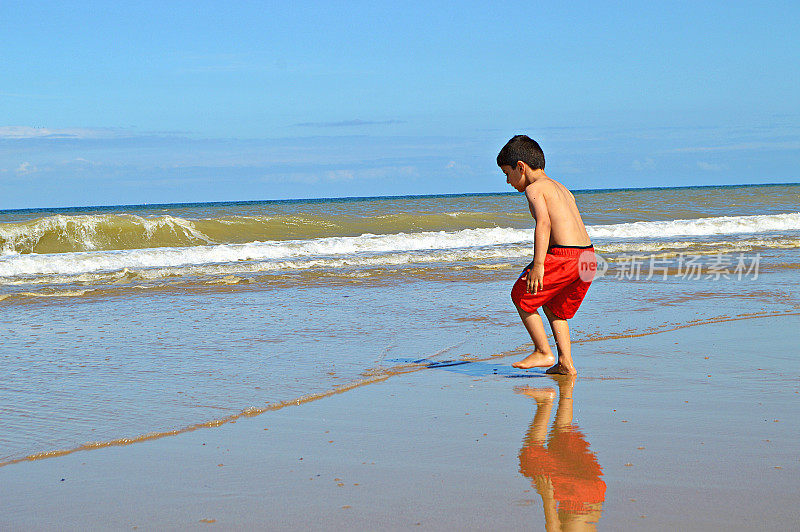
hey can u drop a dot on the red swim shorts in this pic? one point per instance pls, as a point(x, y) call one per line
point(568, 272)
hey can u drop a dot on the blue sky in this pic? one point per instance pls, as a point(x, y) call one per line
point(151, 102)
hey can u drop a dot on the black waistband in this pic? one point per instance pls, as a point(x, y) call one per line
point(573, 247)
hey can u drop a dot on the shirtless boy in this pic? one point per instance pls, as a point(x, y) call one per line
point(563, 257)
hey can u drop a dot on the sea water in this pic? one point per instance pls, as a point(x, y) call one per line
point(129, 322)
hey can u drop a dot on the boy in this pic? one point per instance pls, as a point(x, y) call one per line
point(563, 257)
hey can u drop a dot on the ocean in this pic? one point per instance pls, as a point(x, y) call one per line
point(127, 323)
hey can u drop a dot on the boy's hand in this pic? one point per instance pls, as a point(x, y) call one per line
point(536, 278)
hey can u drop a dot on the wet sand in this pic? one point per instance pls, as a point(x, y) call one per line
point(694, 429)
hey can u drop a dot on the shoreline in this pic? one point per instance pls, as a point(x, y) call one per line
point(685, 439)
point(366, 381)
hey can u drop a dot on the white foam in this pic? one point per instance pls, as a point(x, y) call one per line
point(370, 249)
point(723, 246)
point(350, 250)
point(719, 225)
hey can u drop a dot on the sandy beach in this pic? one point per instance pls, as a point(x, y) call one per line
point(687, 438)
point(230, 366)
point(257, 259)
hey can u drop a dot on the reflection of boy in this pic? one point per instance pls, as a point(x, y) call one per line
point(565, 472)
point(572, 469)
point(563, 257)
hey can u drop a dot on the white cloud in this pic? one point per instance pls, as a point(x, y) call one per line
point(25, 168)
point(710, 167)
point(791, 145)
point(384, 173)
point(570, 167)
point(457, 167)
point(26, 132)
point(647, 164)
point(348, 123)
point(81, 162)
point(340, 175)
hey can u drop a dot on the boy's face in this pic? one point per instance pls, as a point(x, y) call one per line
point(514, 177)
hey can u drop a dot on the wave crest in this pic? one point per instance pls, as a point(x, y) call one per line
point(64, 234)
point(105, 232)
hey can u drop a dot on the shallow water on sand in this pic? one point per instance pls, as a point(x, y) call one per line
point(688, 429)
point(120, 323)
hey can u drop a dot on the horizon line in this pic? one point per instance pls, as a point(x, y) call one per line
point(367, 198)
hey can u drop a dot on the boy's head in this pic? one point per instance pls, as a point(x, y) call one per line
point(521, 148)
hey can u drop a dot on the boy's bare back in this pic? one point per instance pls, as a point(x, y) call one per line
point(551, 202)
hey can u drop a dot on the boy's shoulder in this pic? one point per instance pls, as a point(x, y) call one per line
point(547, 187)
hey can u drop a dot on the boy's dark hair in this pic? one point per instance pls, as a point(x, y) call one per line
point(521, 148)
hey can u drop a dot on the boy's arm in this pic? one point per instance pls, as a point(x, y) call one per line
point(541, 237)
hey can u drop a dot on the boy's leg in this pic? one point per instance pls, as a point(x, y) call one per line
point(537, 433)
point(542, 357)
point(563, 419)
point(560, 328)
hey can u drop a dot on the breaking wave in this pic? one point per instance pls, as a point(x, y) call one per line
point(106, 232)
point(719, 225)
point(199, 256)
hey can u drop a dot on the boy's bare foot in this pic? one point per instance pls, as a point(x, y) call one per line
point(537, 359)
point(538, 394)
point(561, 369)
